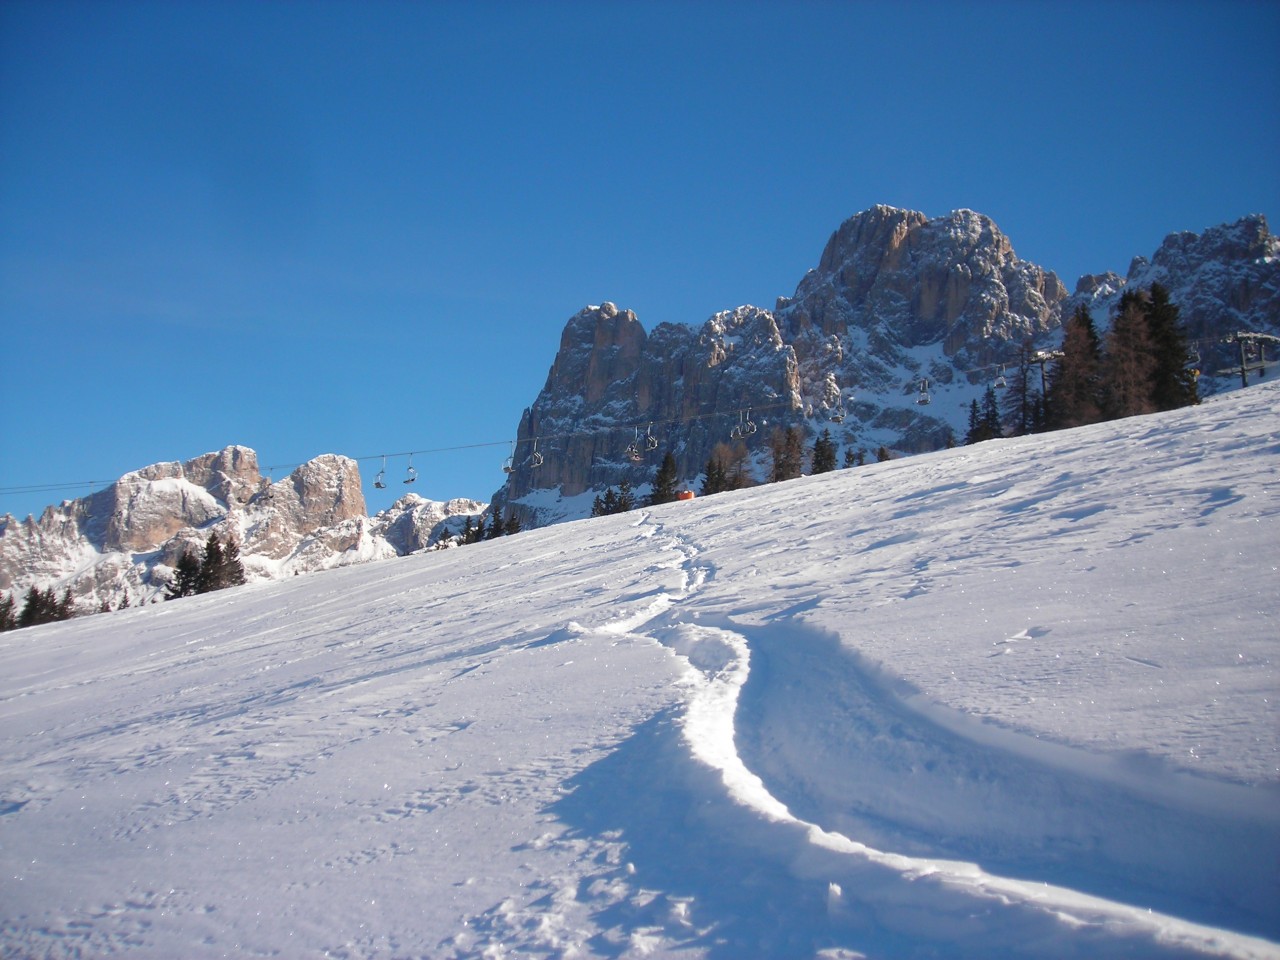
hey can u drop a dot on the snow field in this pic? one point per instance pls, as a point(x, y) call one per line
point(1013, 700)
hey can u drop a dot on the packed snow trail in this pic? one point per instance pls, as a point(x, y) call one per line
point(975, 703)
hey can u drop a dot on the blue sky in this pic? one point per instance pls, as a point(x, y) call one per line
point(359, 228)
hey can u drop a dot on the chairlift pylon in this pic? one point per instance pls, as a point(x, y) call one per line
point(380, 480)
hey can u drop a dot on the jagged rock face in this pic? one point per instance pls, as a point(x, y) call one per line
point(129, 536)
point(231, 475)
point(414, 523)
point(888, 282)
point(148, 506)
point(900, 309)
point(136, 514)
point(1223, 280)
point(669, 385)
point(600, 347)
point(912, 281)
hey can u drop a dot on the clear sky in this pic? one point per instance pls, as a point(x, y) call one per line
point(359, 228)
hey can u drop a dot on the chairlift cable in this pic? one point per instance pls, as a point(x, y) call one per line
point(1245, 337)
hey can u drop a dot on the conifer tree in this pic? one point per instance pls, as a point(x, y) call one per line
point(39, 606)
point(1173, 384)
point(609, 504)
point(990, 419)
point(512, 526)
point(495, 525)
point(8, 616)
point(32, 605)
point(211, 567)
point(727, 469)
point(787, 448)
point(972, 435)
point(1023, 404)
point(737, 465)
point(984, 422)
point(186, 576)
point(1129, 364)
point(1075, 387)
point(824, 453)
point(232, 568)
point(665, 482)
point(850, 458)
point(66, 606)
point(714, 479)
point(883, 454)
point(626, 497)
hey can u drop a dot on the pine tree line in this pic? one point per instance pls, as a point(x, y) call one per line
point(490, 527)
point(38, 606)
point(1141, 366)
point(219, 568)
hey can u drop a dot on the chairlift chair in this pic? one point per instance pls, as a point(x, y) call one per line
point(509, 465)
point(650, 441)
point(1000, 382)
point(633, 449)
point(411, 474)
point(535, 458)
point(837, 415)
point(380, 480)
point(923, 398)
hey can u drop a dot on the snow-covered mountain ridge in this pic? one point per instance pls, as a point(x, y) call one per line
point(126, 539)
point(1010, 700)
point(900, 306)
point(901, 309)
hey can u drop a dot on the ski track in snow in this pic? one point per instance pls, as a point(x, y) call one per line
point(872, 736)
point(669, 760)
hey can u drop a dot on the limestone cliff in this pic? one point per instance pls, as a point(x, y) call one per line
point(904, 321)
point(128, 536)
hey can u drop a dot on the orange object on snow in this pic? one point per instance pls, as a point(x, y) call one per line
point(684, 495)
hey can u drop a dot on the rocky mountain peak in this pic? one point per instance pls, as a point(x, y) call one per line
point(902, 323)
point(882, 230)
point(1224, 279)
point(128, 536)
point(599, 346)
point(910, 281)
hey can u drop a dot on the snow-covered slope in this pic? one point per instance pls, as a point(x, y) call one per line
point(1010, 700)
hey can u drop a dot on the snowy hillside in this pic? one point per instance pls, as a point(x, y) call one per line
point(1010, 700)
